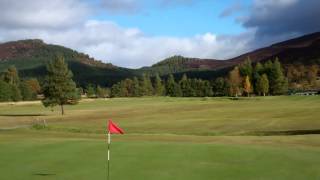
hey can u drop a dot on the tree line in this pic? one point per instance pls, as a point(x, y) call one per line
point(12, 88)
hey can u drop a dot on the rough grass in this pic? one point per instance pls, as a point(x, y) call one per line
point(166, 138)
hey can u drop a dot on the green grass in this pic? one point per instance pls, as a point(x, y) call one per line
point(166, 138)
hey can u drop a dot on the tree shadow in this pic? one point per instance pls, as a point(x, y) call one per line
point(43, 174)
point(20, 115)
point(286, 133)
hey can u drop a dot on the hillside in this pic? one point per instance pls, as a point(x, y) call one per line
point(302, 50)
point(30, 57)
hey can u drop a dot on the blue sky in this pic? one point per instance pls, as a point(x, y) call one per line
point(181, 21)
point(136, 33)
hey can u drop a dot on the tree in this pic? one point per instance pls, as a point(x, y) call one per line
point(27, 92)
point(246, 68)
point(5, 91)
point(136, 87)
point(90, 91)
point(258, 71)
point(172, 88)
point(185, 86)
point(59, 88)
point(219, 86)
point(158, 86)
point(247, 86)
point(34, 84)
point(278, 83)
point(312, 75)
point(146, 85)
point(263, 85)
point(11, 76)
point(102, 92)
point(234, 82)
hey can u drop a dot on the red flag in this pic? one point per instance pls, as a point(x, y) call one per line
point(114, 129)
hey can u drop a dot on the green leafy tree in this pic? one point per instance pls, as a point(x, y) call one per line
point(102, 92)
point(158, 86)
point(246, 68)
point(11, 76)
point(263, 85)
point(59, 88)
point(27, 92)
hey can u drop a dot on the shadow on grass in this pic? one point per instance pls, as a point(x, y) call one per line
point(44, 174)
point(285, 133)
point(21, 115)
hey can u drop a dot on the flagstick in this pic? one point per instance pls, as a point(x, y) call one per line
point(109, 141)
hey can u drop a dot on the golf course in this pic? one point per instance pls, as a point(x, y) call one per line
point(165, 139)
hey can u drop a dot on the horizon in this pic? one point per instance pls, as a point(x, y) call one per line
point(134, 34)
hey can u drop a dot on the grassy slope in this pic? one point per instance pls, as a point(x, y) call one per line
point(61, 154)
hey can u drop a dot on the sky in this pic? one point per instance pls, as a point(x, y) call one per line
point(136, 33)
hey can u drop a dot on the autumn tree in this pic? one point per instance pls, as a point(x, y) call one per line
point(247, 86)
point(234, 82)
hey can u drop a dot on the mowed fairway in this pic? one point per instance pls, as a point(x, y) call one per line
point(166, 139)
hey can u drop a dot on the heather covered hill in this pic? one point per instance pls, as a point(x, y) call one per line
point(30, 57)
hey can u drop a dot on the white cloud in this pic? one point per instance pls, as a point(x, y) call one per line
point(42, 14)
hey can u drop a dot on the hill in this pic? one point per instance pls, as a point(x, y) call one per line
point(302, 50)
point(31, 56)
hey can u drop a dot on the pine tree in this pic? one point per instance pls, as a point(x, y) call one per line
point(136, 87)
point(171, 86)
point(219, 86)
point(158, 86)
point(90, 91)
point(185, 86)
point(278, 83)
point(258, 71)
point(263, 85)
point(146, 85)
point(5, 91)
point(11, 76)
point(247, 86)
point(59, 88)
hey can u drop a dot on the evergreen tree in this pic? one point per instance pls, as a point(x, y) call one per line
point(90, 91)
point(59, 88)
point(278, 83)
point(185, 86)
point(116, 90)
point(5, 91)
point(258, 71)
point(146, 85)
point(170, 86)
point(158, 86)
point(219, 86)
point(207, 89)
point(136, 87)
point(234, 82)
point(263, 85)
point(247, 86)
